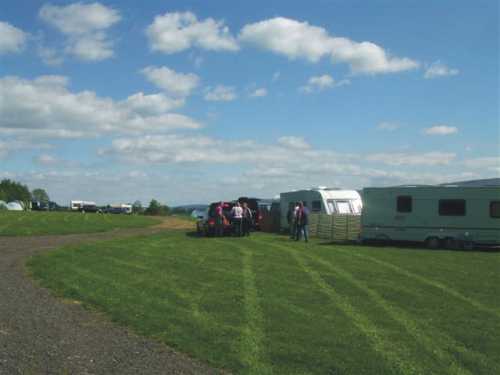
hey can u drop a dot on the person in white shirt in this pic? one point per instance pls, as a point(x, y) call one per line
point(237, 215)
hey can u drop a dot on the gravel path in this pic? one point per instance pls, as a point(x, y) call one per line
point(40, 334)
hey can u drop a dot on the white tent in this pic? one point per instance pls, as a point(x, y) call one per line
point(15, 206)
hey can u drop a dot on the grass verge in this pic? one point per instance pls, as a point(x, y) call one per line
point(267, 305)
point(46, 223)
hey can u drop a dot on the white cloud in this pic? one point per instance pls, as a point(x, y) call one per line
point(323, 82)
point(12, 39)
point(388, 126)
point(489, 162)
point(428, 158)
point(257, 93)
point(174, 32)
point(154, 104)
point(91, 47)
point(46, 159)
point(294, 142)
point(49, 56)
point(178, 84)
point(440, 130)
point(85, 27)
point(296, 39)
point(45, 107)
point(438, 69)
point(220, 93)
point(276, 76)
point(79, 18)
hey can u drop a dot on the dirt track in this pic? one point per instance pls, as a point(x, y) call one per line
point(40, 334)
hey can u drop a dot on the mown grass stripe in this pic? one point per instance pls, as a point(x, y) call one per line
point(434, 342)
point(436, 284)
point(394, 355)
point(252, 339)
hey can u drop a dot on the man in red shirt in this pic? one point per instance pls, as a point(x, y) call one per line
point(219, 220)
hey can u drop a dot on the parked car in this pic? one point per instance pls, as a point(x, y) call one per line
point(206, 226)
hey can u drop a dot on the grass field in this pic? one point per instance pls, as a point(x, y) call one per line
point(265, 305)
point(41, 223)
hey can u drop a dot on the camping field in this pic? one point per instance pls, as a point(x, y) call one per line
point(31, 223)
point(266, 304)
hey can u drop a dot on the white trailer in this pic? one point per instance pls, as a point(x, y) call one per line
point(78, 205)
point(321, 200)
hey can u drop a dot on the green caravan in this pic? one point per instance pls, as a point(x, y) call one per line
point(447, 216)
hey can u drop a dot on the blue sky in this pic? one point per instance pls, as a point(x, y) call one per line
point(194, 101)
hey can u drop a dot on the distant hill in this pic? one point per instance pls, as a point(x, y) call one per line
point(473, 183)
point(190, 207)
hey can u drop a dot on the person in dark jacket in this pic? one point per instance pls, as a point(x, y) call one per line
point(302, 222)
point(246, 221)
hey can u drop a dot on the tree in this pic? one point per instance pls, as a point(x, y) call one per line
point(40, 195)
point(157, 209)
point(153, 208)
point(137, 207)
point(15, 191)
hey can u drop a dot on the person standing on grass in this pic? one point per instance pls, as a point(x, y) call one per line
point(292, 220)
point(302, 222)
point(246, 220)
point(219, 220)
point(237, 216)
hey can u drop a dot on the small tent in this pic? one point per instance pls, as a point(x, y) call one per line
point(15, 206)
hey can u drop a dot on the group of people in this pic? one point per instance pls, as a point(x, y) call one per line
point(241, 219)
point(298, 221)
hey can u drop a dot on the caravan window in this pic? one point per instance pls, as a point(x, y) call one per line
point(495, 209)
point(343, 206)
point(452, 207)
point(404, 203)
point(316, 206)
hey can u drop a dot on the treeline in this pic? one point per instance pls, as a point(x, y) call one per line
point(155, 208)
point(15, 191)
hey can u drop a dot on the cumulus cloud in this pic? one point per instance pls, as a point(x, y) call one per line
point(488, 162)
point(9, 146)
point(427, 159)
point(178, 84)
point(323, 82)
point(49, 56)
point(220, 93)
point(257, 93)
point(294, 142)
point(296, 39)
point(175, 32)
point(85, 26)
point(12, 39)
point(438, 69)
point(388, 126)
point(46, 159)
point(46, 107)
point(440, 130)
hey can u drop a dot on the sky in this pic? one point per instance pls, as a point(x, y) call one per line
point(196, 101)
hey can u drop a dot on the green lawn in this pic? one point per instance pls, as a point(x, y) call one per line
point(267, 305)
point(40, 223)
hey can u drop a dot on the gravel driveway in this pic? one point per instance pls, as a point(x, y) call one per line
point(40, 334)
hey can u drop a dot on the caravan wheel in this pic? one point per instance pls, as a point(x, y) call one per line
point(433, 243)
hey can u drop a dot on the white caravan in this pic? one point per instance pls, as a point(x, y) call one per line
point(321, 200)
point(78, 205)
